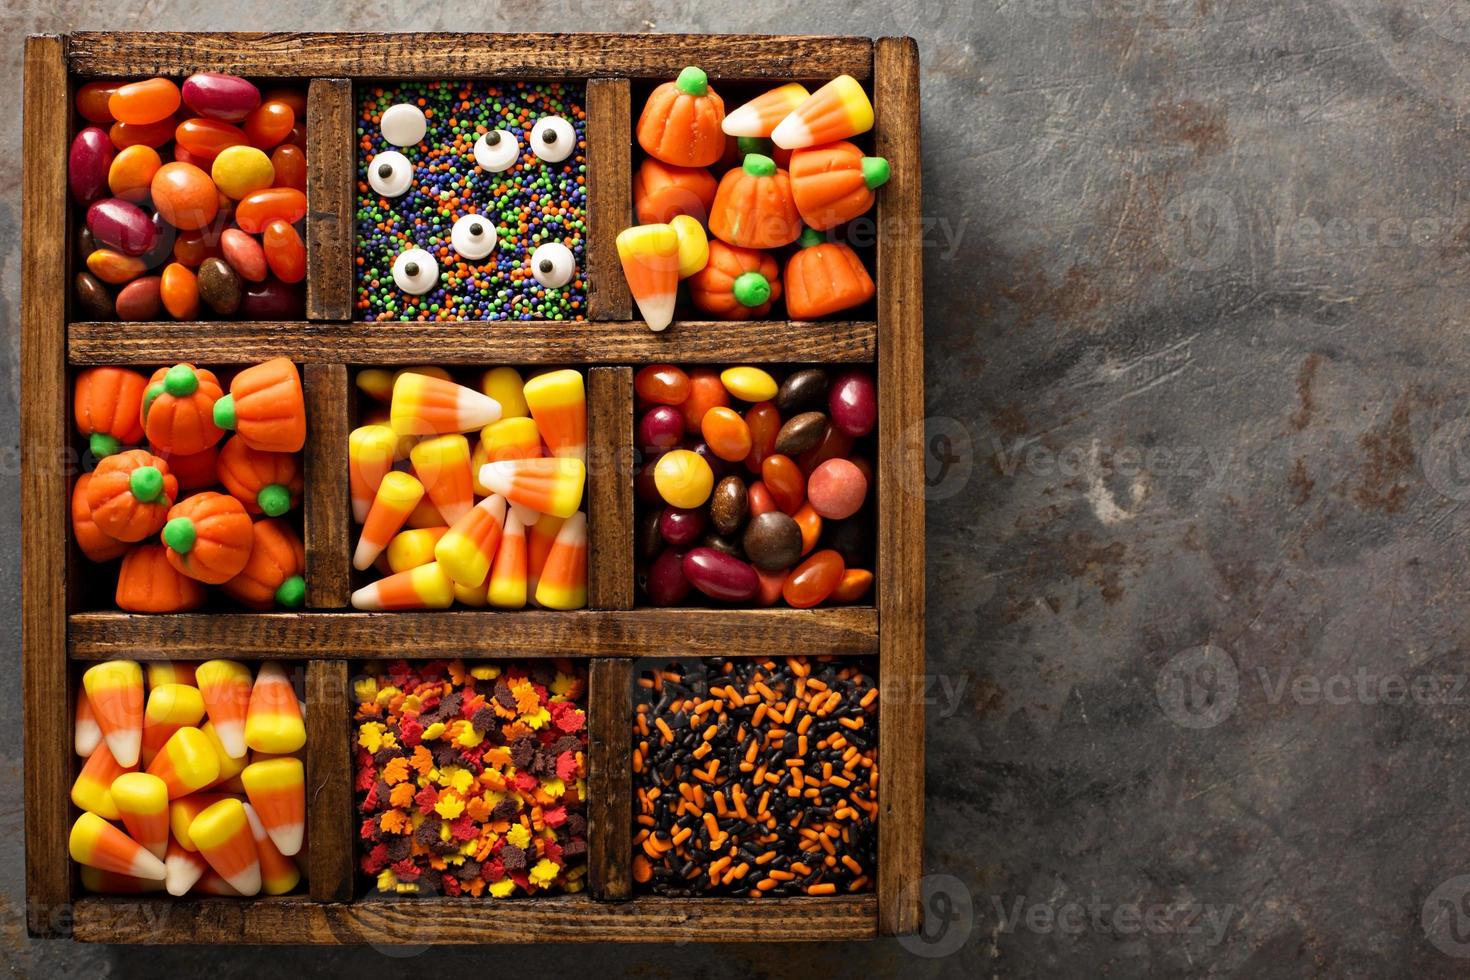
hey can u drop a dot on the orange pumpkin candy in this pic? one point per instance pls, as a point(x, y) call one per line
point(273, 575)
point(824, 277)
point(834, 183)
point(130, 493)
point(147, 583)
point(266, 483)
point(662, 191)
point(736, 283)
point(96, 544)
point(209, 537)
point(105, 407)
point(680, 123)
point(178, 409)
point(753, 206)
point(266, 407)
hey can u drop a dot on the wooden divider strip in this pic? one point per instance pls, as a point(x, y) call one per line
point(609, 195)
point(609, 784)
point(610, 487)
point(329, 782)
point(328, 581)
point(331, 164)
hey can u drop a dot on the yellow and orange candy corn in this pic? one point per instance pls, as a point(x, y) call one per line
point(466, 551)
point(182, 811)
point(186, 763)
point(549, 485)
point(98, 844)
point(442, 465)
point(370, 453)
point(229, 765)
point(142, 801)
point(397, 496)
point(115, 689)
point(558, 402)
point(425, 587)
point(278, 873)
point(838, 110)
point(412, 548)
point(225, 686)
point(273, 723)
point(504, 385)
point(761, 115)
point(650, 258)
point(182, 868)
point(162, 672)
point(563, 582)
point(424, 406)
point(508, 574)
point(539, 539)
point(92, 790)
point(86, 733)
point(170, 707)
point(277, 790)
point(222, 835)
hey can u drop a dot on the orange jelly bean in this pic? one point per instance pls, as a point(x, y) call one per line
point(293, 97)
point(269, 123)
point(786, 482)
point(764, 420)
point(813, 580)
point(706, 391)
point(289, 162)
point(285, 253)
point(114, 267)
point(759, 499)
point(141, 103)
point(260, 208)
point(856, 582)
point(193, 247)
point(179, 290)
point(662, 384)
point(131, 173)
point(208, 138)
point(92, 99)
point(185, 196)
point(155, 134)
point(810, 523)
point(726, 433)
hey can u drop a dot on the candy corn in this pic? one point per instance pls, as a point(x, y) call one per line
point(650, 258)
point(161, 672)
point(548, 486)
point(410, 549)
point(425, 587)
point(466, 551)
point(558, 402)
point(225, 687)
point(182, 868)
point(508, 573)
point(210, 883)
point(186, 763)
point(761, 115)
point(838, 110)
point(278, 873)
point(504, 385)
point(86, 733)
point(274, 723)
point(370, 452)
point(112, 883)
point(181, 813)
point(430, 406)
point(474, 596)
point(93, 789)
point(142, 800)
point(170, 707)
point(115, 689)
point(277, 790)
point(222, 835)
point(442, 465)
point(539, 539)
point(397, 496)
point(229, 765)
point(563, 582)
point(98, 844)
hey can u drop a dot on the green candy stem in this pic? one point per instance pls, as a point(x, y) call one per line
point(810, 237)
point(875, 172)
point(179, 534)
point(103, 445)
point(753, 144)
point(224, 412)
point(751, 289)
point(692, 81)
point(759, 165)
point(146, 483)
point(292, 593)
point(154, 390)
point(181, 381)
point(274, 500)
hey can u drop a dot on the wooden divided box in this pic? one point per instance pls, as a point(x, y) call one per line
point(66, 630)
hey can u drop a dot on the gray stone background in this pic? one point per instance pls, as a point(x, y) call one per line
point(1197, 385)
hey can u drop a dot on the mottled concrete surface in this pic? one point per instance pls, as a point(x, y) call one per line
point(1197, 385)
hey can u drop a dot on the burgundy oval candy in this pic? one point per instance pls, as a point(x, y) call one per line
point(87, 165)
point(681, 527)
point(662, 427)
point(644, 487)
point(666, 584)
point(853, 403)
point(272, 300)
point(140, 299)
point(227, 98)
point(120, 225)
point(720, 576)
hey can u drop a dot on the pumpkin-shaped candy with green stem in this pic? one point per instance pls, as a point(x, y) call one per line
point(273, 577)
point(824, 277)
point(266, 407)
point(753, 206)
point(209, 537)
point(178, 409)
point(105, 407)
point(736, 283)
point(834, 183)
point(130, 493)
point(266, 483)
point(681, 121)
point(97, 545)
point(147, 583)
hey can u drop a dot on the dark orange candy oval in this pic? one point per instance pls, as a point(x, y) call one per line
point(813, 580)
point(289, 162)
point(764, 420)
point(706, 391)
point(726, 433)
point(662, 384)
point(208, 138)
point(269, 123)
point(92, 100)
point(260, 208)
point(784, 479)
point(124, 135)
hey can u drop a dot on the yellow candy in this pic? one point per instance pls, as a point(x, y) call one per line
point(410, 549)
point(693, 244)
point(475, 597)
point(683, 478)
point(504, 385)
point(749, 384)
point(376, 383)
point(241, 170)
point(229, 766)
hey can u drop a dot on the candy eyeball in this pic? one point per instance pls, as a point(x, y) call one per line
point(497, 150)
point(390, 174)
point(473, 236)
point(403, 124)
point(415, 272)
point(553, 139)
point(553, 265)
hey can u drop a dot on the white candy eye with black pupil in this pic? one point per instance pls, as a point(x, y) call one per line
point(553, 139)
point(415, 272)
point(390, 174)
point(472, 236)
point(553, 265)
point(497, 151)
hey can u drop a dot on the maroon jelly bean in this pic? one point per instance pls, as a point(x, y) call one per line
point(853, 403)
point(681, 527)
point(87, 165)
point(643, 486)
point(272, 300)
point(720, 576)
point(662, 427)
point(666, 584)
point(140, 300)
point(227, 98)
point(120, 225)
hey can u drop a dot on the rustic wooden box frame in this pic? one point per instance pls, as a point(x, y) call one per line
point(610, 633)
